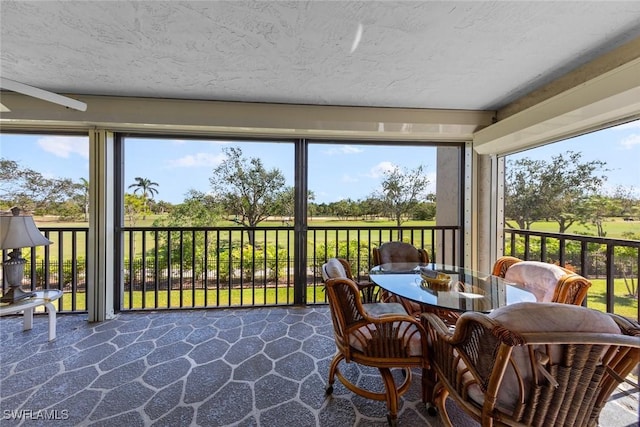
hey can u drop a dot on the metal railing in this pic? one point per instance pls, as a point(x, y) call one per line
point(191, 267)
point(61, 265)
point(612, 265)
point(186, 267)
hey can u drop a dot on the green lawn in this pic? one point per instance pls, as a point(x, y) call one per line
point(596, 298)
point(624, 305)
point(221, 299)
point(614, 227)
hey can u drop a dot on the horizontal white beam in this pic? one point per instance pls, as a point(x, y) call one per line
point(606, 99)
point(170, 116)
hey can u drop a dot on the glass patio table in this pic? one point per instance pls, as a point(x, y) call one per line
point(467, 290)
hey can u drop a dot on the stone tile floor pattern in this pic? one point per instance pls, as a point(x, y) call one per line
point(261, 367)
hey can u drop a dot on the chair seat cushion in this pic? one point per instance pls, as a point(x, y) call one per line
point(538, 277)
point(358, 340)
point(553, 317)
point(378, 309)
point(544, 317)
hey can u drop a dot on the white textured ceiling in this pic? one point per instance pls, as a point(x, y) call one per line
point(421, 54)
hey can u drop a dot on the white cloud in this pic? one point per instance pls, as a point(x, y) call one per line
point(65, 146)
point(349, 178)
point(380, 169)
point(630, 140)
point(198, 160)
point(344, 149)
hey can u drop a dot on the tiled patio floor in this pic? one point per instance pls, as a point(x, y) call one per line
point(256, 367)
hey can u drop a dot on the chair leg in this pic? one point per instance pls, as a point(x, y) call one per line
point(392, 392)
point(392, 395)
point(440, 392)
point(429, 380)
point(332, 372)
point(428, 383)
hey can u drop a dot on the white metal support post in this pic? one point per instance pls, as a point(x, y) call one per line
point(100, 274)
point(470, 217)
point(497, 203)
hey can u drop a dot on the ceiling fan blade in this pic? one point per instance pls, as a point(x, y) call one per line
point(42, 94)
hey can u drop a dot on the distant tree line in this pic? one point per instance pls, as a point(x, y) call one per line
point(245, 191)
point(33, 192)
point(565, 190)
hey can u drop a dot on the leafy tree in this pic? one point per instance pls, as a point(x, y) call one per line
point(85, 197)
point(425, 211)
point(68, 210)
point(625, 259)
point(523, 198)
point(31, 191)
point(321, 209)
point(198, 210)
point(147, 189)
point(346, 208)
point(133, 205)
point(568, 185)
point(162, 207)
point(371, 208)
point(596, 209)
point(285, 204)
point(557, 190)
point(402, 190)
point(628, 204)
point(247, 189)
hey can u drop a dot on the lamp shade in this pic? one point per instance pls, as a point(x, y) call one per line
point(19, 231)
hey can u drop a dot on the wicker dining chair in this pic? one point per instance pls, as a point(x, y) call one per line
point(400, 252)
point(549, 282)
point(531, 364)
point(390, 252)
point(379, 335)
point(336, 268)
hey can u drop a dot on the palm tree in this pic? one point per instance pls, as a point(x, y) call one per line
point(146, 188)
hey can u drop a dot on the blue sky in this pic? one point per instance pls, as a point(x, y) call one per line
point(335, 171)
point(618, 146)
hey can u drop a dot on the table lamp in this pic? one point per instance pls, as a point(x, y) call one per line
point(17, 232)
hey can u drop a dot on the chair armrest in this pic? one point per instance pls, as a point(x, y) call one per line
point(395, 336)
point(375, 254)
point(432, 322)
point(502, 264)
point(571, 289)
point(369, 291)
point(424, 256)
point(627, 326)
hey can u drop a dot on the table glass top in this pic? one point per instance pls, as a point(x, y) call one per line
point(467, 290)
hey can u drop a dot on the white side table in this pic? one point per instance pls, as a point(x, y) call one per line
point(28, 305)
